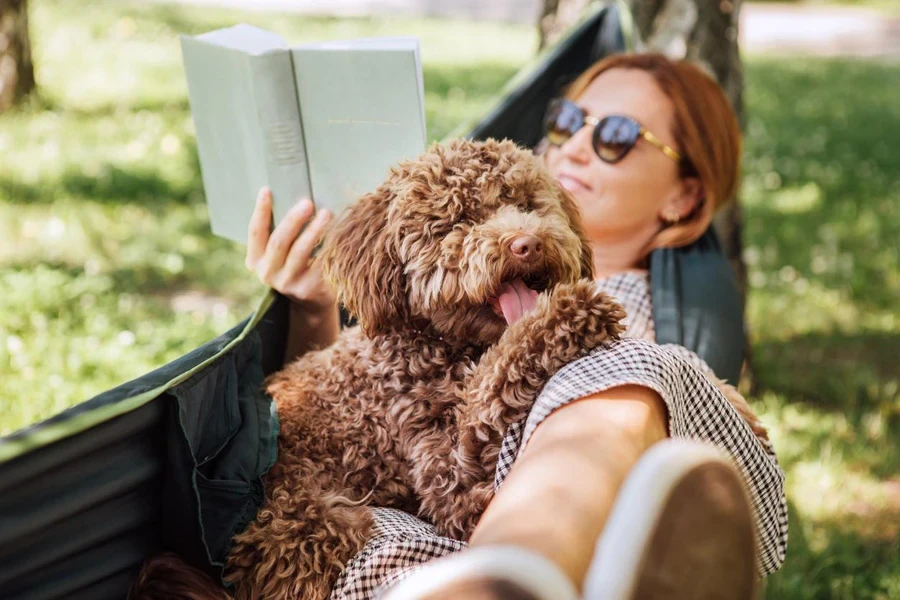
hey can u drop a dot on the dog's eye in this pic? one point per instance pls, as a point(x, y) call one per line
point(523, 204)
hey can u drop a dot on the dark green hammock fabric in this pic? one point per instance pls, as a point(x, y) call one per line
point(181, 472)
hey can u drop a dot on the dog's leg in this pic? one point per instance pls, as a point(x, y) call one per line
point(301, 539)
point(566, 324)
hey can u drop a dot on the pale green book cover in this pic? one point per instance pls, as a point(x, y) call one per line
point(363, 111)
point(323, 120)
point(247, 121)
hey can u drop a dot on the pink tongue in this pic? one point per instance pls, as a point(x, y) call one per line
point(515, 300)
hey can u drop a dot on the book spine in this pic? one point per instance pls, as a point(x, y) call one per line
point(278, 111)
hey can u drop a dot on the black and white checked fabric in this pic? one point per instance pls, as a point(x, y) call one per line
point(399, 544)
point(697, 409)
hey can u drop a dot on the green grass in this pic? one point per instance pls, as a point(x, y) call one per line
point(821, 197)
point(107, 268)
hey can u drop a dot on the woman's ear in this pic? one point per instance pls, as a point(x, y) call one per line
point(684, 201)
point(359, 258)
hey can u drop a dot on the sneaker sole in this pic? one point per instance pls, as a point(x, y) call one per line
point(681, 527)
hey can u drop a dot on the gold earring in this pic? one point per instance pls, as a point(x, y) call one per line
point(671, 216)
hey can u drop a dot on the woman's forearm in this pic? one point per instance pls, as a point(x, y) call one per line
point(310, 328)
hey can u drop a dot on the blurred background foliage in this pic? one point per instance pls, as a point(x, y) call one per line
point(108, 269)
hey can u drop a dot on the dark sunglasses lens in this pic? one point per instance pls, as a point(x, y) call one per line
point(563, 120)
point(614, 137)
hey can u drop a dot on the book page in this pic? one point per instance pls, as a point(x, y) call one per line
point(247, 122)
point(246, 38)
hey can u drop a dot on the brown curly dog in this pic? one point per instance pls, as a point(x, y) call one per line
point(473, 284)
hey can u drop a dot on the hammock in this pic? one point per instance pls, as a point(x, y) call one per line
point(174, 459)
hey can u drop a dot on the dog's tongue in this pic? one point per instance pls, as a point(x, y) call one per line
point(515, 300)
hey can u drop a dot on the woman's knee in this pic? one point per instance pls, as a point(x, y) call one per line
point(633, 415)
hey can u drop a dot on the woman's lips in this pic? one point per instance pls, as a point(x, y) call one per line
point(572, 184)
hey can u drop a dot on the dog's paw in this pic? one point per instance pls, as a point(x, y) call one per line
point(568, 322)
point(584, 309)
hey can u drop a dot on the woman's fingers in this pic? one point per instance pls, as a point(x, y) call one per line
point(258, 229)
point(282, 238)
point(298, 258)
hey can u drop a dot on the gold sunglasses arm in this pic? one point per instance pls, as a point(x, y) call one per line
point(656, 142)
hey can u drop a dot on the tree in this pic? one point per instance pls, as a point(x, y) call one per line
point(16, 68)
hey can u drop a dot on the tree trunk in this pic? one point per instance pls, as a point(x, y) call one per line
point(714, 43)
point(556, 17)
point(16, 68)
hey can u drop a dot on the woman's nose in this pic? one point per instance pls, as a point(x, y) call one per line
point(578, 147)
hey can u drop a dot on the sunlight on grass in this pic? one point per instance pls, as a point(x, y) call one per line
point(108, 266)
point(108, 269)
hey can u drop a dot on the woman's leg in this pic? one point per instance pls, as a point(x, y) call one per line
point(559, 493)
point(680, 527)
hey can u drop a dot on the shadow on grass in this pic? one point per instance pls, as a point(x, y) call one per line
point(829, 559)
point(484, 81)
point(833, 371)
point(845, 394)
point(147, 279)
point(46, 102)
point(113, 184)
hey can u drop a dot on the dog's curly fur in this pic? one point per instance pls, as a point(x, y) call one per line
point(409, 409)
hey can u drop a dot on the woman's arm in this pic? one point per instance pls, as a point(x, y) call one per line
point(310, 328)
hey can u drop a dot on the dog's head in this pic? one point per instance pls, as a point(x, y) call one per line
point(451, 237)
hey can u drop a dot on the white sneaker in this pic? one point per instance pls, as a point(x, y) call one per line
point(681, 527)
point(508, 571)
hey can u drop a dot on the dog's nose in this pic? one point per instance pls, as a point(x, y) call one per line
point(526, 247)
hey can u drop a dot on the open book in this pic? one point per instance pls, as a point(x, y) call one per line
point(324, 121)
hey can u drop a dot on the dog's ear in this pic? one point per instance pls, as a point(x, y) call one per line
point(360, 259)
point(573, 212)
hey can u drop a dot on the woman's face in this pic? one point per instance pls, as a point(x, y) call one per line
point(627, 199)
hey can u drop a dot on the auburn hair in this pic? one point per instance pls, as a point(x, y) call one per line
point(705, 128)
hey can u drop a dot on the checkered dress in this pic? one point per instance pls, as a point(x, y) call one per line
point(697, 409)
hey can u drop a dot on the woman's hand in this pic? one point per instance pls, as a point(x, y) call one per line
point(282, 259)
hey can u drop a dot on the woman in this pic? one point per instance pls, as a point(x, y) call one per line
point(649, 148)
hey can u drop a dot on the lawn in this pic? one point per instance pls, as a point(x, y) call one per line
point(107, 268)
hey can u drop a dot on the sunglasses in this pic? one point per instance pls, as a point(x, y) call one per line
point(614, 136)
